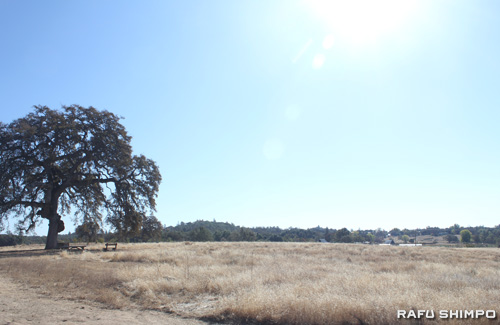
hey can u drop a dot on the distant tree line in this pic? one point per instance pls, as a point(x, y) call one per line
point(150, 229)
point(457, 233)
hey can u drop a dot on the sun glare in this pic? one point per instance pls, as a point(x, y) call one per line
point(318, 61)
point(361, 21)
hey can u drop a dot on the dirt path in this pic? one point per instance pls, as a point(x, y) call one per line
point(20, 304)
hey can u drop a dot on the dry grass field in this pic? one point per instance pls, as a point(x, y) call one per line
point(275, 283)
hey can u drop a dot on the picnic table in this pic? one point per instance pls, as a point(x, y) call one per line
point(71, 247)
point(77, 247)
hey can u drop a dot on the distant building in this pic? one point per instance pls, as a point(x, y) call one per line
point(388, 242)
point(322, 240)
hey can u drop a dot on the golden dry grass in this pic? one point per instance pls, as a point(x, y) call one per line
point(282, 283)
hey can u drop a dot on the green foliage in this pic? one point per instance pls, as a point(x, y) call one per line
point(405, 238)
point(395, 232)
point(297, 234)
point(343, 236)
point(357, 237)
point(52, 161)
point(223, 235)
point(465, 236)
point(201, 234)
point(455, 229)
point(88, 231)
point(433, 231)
point(213, 226)
point(244, 234)
point(223, 231)
point(10, 240)
point(275, 238)
point(151, 229)
point(173, 235)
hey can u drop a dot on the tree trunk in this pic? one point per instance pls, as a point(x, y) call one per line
point(54, 221)
point(52, 235)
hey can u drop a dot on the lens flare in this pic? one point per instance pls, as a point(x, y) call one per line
point(328, 42)
point(318, 61)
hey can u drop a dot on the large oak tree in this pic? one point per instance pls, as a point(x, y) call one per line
point(54, 160)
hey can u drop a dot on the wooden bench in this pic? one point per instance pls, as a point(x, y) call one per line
point(109, 245)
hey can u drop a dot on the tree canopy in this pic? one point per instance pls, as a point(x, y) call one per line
point(465, 236)
point(52, 161)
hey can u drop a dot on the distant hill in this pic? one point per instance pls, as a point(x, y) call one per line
point(203, 230)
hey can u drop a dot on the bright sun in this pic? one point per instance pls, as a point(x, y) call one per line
point(362, 21)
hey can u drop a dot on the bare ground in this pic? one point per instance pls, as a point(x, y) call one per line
point(20, 304)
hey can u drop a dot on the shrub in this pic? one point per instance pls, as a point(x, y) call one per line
point(465, 236)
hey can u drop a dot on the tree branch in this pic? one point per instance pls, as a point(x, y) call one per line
point(13, 203)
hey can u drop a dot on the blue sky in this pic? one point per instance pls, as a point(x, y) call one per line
point(281, 113)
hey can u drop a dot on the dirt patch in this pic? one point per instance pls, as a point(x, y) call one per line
point(20, 304)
